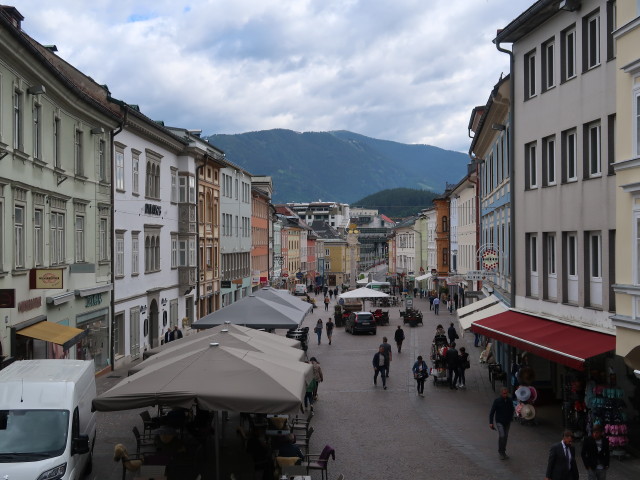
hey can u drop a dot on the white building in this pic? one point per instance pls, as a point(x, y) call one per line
point(335, 214)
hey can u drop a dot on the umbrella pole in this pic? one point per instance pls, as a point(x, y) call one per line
point(216, 441)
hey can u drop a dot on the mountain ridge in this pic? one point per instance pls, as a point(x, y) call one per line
point(339, 165)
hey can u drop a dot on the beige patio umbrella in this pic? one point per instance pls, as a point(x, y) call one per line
point(214, 378)
point(226, 338)
point(364, 292)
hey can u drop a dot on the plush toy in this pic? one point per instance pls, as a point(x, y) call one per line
point(120, 454)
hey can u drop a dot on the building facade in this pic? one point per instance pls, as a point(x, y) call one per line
point(260, 230)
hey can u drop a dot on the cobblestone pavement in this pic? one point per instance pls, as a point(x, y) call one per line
point(393, 433)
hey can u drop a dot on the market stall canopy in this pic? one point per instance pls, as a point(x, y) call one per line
point(283, 297)
point(559, 342)
point(484, 308)
point(226, 338)
point(426, 276)
point(254, 312)
point(215, 378)
point(364, 293)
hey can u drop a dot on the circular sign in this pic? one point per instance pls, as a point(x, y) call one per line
point(490, 260)
point(285, 274)
point(299, 275)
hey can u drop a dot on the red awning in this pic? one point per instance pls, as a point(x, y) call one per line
point(558, 342)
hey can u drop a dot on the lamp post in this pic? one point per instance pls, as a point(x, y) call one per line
point(352, 243)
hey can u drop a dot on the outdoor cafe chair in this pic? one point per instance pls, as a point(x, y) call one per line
point(321, 461)
point(303, 440)
point(302, 423)
point(144, 443)
point(148, 422)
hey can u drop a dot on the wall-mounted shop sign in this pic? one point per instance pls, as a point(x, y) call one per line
point(7, 298)
point(93, 300)
point(30, 304)
point(225, 284)
point(45, 278)
point(151, 209)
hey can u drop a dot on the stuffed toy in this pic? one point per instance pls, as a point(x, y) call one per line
point(120, 453)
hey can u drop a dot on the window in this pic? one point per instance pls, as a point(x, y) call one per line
point(79, 240)
point(533, 253)
point(611, 27)
point(187, 190)
point(592, 150)
point(56, 238)
point(327, 266)
point(135, 253)
point(153, 177)
point(135, 172)
point(17, 120)
point(445, 224)
point(595, 259)
point(636, 120)
point(549, 160)
point(572, 255)
point(568, 64)
point(56, 143)
point(591, 29)
point(326, 252)
point(102, 161)
point(119, 260)
point(551, 254)
point(174, 185)
point(192, 252)
point(445, 256)
point(37, 131)
point(569, 158)
point(77, 153)
point(183, 248)
point(18, 234)
point(103, 240)
point(174, 251)
point(119, 169)
point(192, 189)
point(209, 256)
point(531, 166)
point(530, 75)
point(548, 59)
point(38, 237)
point(151, 252)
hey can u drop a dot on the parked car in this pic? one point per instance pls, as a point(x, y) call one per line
point(301, 289)
point(360, 322)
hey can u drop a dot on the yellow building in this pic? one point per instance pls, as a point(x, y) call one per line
point(627, 168)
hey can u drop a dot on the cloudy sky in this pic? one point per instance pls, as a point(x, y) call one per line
point(402, 70)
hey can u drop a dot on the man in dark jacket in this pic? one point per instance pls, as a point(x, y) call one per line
point(452, 359)
point(562, 459)
point(595, 454)
point(502, 409)
point(380, 365)
point(399, 337)
point(452, 334)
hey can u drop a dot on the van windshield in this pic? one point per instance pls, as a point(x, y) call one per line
point(29, 435)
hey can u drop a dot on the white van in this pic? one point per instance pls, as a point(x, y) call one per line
point(301, 289)
point(47, 428)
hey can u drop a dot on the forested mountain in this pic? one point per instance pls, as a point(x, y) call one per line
point(398, 203)
point(339, 166)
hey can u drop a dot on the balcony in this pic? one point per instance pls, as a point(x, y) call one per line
point(186, 277)
point(187, 218)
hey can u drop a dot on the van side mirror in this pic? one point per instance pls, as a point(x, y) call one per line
point(80, 445)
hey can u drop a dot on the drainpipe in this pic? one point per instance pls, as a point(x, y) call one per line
point(512, 216)
point(112, 248)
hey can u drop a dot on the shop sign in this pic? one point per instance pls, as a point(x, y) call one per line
point(30, 304)
point(490, 260)
point(474, 275)
point(225, 284)
point(237, 281)
point(45, 278)
point(93, 300)
point(7, 298)
point(151, 209)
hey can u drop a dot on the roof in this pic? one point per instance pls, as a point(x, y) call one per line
point(529, 20)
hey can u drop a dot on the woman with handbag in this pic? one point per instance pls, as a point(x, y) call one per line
point(463, 364)
point(420, 373)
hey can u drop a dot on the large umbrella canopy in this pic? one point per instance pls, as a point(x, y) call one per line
point(270, 337)
point(364, 293)
point(227, 339)
point(254, 312)
point(283, 297)
point(214, 378)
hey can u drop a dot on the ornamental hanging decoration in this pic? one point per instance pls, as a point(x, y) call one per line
point(490, 260)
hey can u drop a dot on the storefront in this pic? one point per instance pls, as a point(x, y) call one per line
point(95, 344)
point(572, 366)
point(41, 339)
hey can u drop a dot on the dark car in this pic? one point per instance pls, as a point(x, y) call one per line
point(360, 322)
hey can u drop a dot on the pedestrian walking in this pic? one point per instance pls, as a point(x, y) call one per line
point(595, 454)
point(318, 330)
point(329, 329)
point(463, 364)
point(502, 410)
point(330, 293)
point(177, 333)
point(387, 348)
point(431, 298)
point(561, 464)
point(308, 394)
point(436, 305)
point(399, 337)
point(326, 303)
point(452, 334)
point(380, 364)
point(335, 292)
point(415, 293)
point(317, 376)
point(420, 373)
point(451, 358)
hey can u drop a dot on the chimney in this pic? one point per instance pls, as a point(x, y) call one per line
point(13, 15)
